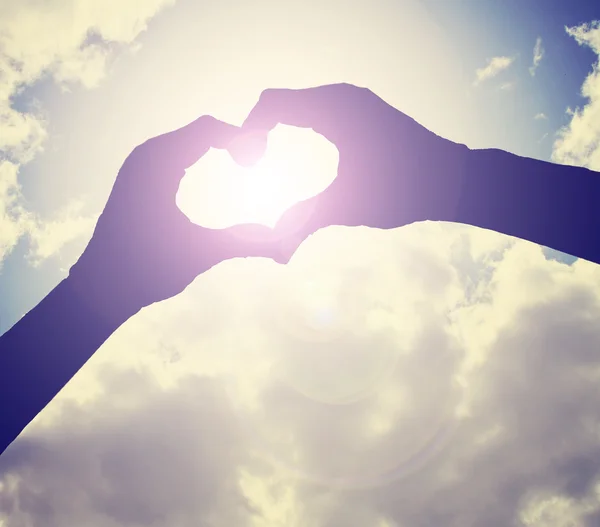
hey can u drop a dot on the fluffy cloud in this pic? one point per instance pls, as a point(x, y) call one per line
point(494, 66)
point(14, 220)
point(508, 86)
point(49, 236)
point(369, 387)
point(538, 55)
point(139, 456)
point(540, 116)
point(71, 42)
point(578, 143)
point(432, 375)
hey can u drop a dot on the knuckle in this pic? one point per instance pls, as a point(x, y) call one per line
point(140, 151)
point(267, 93)
point(266, 96)
point(206, 120)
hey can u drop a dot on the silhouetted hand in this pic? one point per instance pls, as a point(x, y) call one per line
point(144, 249)
point(392, 171)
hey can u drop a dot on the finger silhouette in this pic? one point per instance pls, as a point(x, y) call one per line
point(322, 108)
point(183, 147)
point(243, 241)
point(298, 223)
point(333, 111)
point(161, 161)
point(307, 217)
point(248, 147)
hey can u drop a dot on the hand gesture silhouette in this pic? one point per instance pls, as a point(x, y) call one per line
point(392, 171)
point(144, 249)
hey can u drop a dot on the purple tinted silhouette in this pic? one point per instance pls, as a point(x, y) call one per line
point(392, 172)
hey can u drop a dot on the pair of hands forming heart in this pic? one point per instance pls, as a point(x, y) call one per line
point(144, 249)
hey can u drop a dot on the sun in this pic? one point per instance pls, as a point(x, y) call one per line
point(268, 188)
point(297, 164)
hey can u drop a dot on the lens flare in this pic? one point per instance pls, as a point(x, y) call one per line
point(350, 406)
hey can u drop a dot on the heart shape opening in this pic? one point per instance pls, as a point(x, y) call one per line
point(217, 192)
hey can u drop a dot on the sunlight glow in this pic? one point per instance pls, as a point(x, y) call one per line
point(268, 188)
point(298, 164)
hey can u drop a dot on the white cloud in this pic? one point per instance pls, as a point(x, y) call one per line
point(578, 143)
point(540, 116)
point(234, 401)
point(14, 220)
point(72, 42)
point(494, 66)
point(256, 396)
point(23, 134)
point(60, 38)
point(145, 457)
point(49, 236)
point(538, 55)
point(508, 86)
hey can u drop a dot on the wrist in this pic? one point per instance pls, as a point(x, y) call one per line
point(541, 202)
point(47, 347)
point(101, 297)
point(446, 176)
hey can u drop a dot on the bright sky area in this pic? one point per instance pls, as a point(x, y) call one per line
point(431, 375)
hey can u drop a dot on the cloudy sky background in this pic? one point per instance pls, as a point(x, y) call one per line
point(432, 375)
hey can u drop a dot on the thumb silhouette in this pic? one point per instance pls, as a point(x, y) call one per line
point(246, 240)
point(305, 218)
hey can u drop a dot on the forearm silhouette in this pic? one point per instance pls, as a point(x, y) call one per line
point(143, 250)
point(554, 205)
point(392, 172)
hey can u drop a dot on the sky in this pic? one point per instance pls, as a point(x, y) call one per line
point(435, 374)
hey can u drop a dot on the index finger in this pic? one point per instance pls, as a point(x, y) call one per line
point(181, 148)
point(325, 109)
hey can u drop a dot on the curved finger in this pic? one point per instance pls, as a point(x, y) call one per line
point(242, 241)
point(304, 219)
point(183, 147)
point(249, 147)
point(325, 109)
